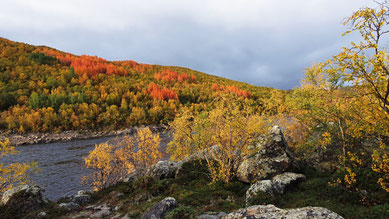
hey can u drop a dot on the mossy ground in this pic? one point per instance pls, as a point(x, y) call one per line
point(196, 194)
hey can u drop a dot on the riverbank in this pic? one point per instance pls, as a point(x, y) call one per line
point(17, 139)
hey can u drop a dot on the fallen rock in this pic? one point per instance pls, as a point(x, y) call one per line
point(272, 158)
point(25, 198)
point(276, 185)
point(270, 211)
point(70, 206)
point(160, 209)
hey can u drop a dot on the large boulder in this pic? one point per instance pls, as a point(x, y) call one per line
point(277, 184)
point(271, 158)
point(160, 209)
point(270, 211)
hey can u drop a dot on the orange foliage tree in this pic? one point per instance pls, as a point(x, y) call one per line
point(161, 94)
point(231, 89)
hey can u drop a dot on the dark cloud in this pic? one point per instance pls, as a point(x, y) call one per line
point(266, 43)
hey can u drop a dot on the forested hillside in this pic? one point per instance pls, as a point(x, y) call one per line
point(43, 89)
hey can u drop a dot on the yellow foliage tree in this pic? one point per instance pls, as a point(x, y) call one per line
point(112, 162)
point(223, 134)
point(15, 173)
point(359, 111)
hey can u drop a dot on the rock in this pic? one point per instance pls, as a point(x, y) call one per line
point(42, 215)
point(160, 209)
point(280, 182)
point(70, 206)
point(260, 186)
point(84, 192)
point(104, 212)
point(273, 158)
point(26, 195)
point(275, 185)
point(270, 211)
point(212, 215)
point(161, 170)
point(82, 199)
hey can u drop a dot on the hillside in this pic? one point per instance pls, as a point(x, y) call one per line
point(43, 89)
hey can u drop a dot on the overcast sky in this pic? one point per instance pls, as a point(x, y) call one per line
point(261, 42)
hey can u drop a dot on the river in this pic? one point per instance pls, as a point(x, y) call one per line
point(61, 164)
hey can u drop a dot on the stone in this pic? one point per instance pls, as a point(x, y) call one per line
point(84, 192)
point(276, 185)
point(42, 215)
point(160, 209)
point(260, 186)
point(280, 182)
point(212, 215)
point(271, 159)
point(161, 170)
point(104, 212)
point(82, 199)
point(270, 211)
point(70, 206)
point(34, 193)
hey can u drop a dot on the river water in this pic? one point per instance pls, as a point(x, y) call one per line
point(61, 164)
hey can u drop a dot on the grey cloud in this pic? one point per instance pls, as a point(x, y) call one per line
point(266, 43)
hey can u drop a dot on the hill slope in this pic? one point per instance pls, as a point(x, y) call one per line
point(43, 89)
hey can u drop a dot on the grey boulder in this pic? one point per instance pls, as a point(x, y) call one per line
point(272, 158)
point(270, 211)
point(277, 184)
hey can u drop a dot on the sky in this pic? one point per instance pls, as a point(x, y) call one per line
point(260, 42)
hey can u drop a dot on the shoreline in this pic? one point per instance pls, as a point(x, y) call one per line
point(19, 139)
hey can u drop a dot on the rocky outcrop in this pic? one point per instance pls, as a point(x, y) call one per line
point(160, 209)
point(270, 211)
point(272, 158)
point(276, 185)
point(31, 193)
point(161, 170)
